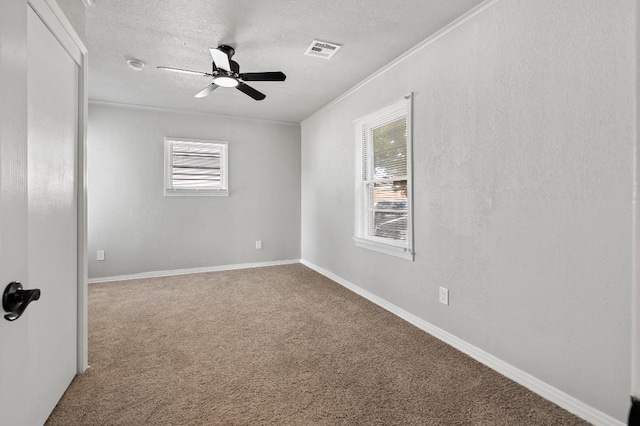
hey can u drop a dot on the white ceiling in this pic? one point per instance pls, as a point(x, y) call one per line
point(267, 36)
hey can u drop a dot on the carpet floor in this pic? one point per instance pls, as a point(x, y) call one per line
point(279, 345)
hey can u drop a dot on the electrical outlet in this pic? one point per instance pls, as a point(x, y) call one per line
point(100, 255)
point(258, 245)
point(443, 296)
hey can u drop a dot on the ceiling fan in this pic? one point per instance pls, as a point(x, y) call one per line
point(226, 73)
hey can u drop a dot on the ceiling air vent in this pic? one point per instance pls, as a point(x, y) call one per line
point(322, 49)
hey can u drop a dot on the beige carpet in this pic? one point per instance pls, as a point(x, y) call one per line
point(276, 346)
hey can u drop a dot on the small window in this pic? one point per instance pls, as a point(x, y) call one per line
point(194, 167)
point(384, 182)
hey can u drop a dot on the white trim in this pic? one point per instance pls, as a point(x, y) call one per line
point(195, 193)
point(384, 247)
point(635, 290)
point(173, 272)
point(473, 13)
point(83, 254)
point(543, 389)
point(53, 17)
point(189, 112)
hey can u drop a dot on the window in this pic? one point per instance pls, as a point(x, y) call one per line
point(383, 181)
point(194, 167)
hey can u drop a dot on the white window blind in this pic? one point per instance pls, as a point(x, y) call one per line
point(194, 167)
point(383, 180)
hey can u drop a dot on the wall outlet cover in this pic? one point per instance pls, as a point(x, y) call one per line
point(258, 245)
point(443, 296)
point(100, 255)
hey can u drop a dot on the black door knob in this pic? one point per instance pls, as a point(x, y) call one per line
point(15, 300)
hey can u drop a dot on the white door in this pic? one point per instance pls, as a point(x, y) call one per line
point(13, 205)
point(52, 135)
point(39, 194)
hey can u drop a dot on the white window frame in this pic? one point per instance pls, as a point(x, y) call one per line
point(363, 137)
point(169, 190)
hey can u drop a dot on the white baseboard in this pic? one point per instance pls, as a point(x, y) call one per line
point(169, 273)
point(543, 389)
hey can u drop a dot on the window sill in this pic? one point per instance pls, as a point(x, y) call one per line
point(382, 247)
point(185, 193)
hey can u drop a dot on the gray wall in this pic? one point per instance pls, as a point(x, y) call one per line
point(523, 168)
point(141, 230)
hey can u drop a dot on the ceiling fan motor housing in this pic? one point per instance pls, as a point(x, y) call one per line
point(230, 51)
point(234, 72)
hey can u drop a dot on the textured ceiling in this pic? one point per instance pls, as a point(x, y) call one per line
point(267, 36)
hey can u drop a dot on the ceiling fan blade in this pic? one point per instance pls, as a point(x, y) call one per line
point(205, 92)
point(221, 59)
point(248, 90)
point(185, 71)
point(263, 76)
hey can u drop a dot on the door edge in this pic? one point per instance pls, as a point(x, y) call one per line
point(60, 27)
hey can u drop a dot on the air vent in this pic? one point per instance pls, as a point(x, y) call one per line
point(322, 49)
